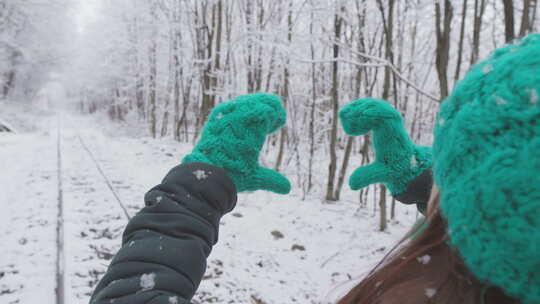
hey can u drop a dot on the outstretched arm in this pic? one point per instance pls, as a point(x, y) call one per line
point(165, 246)
point(399, 164)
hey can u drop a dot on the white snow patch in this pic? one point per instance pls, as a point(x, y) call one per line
point(173, 300)
point(442, 121)
point(533, 95)
point(200, 174)
point(148, 281)
point(424, 259)
point(500, 101)
point(486, 69)
point(414, 163)
point(430, 292)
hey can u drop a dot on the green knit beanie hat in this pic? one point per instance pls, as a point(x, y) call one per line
point(487, 166)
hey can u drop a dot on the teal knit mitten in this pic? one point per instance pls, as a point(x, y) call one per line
point(397, 160)
point(233, 137)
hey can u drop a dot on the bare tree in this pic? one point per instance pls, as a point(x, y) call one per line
point(338, 22)
point(479, 9)
point(178, 70)
point(527, 17)
point(443, 44)
point(152, 74)
point(311, 129)
point(14, 56)
point(461, 38)
point(285, 91)
point(208, 18)
point(509, 33)
point(388, 25)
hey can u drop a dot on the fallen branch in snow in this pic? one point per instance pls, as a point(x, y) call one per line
point(330, 258)
point(5, 127)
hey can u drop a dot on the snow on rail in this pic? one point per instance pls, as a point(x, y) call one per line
point(60, 254)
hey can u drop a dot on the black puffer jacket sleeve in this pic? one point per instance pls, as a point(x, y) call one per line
point(418, 191)
point(165, 246)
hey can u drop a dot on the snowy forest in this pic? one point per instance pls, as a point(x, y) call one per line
point(154, 70)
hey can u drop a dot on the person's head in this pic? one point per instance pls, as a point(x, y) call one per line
point(481, 239)
point(424, 269)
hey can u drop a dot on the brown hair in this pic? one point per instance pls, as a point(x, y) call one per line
point(424, 268)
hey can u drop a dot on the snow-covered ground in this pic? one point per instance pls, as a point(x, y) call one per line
point(272, 248)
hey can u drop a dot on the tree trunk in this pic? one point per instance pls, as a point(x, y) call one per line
point(364, 152)
point(382, 206)
point(285, 92)
point(11, 73)
point(526, 22)
point(178, 70)
point(10, 80)
point(479, 9)
point(152, 62)
point(312, 108)
point(170, 79)
point(443, 45)
point(139, 78)
point(393, 209)
point(509, 33)
point(534, 6)
point(461, 38)
point(208, 98)
point(186, 97)
point(249, 47)
point(217, 21)
point(388, 30)
point(335, 106)
point(388, 39)
point(344, 165)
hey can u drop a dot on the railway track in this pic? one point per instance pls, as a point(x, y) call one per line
point(62, 276)
point(60, 252)
point(105, 178)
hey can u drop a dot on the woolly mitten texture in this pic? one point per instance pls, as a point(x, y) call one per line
point(487, 166)
point(233, 137)
point(397, 160)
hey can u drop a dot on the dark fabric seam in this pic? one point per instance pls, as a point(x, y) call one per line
point(198, 217)
point(156, 263)
point(168, 235)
